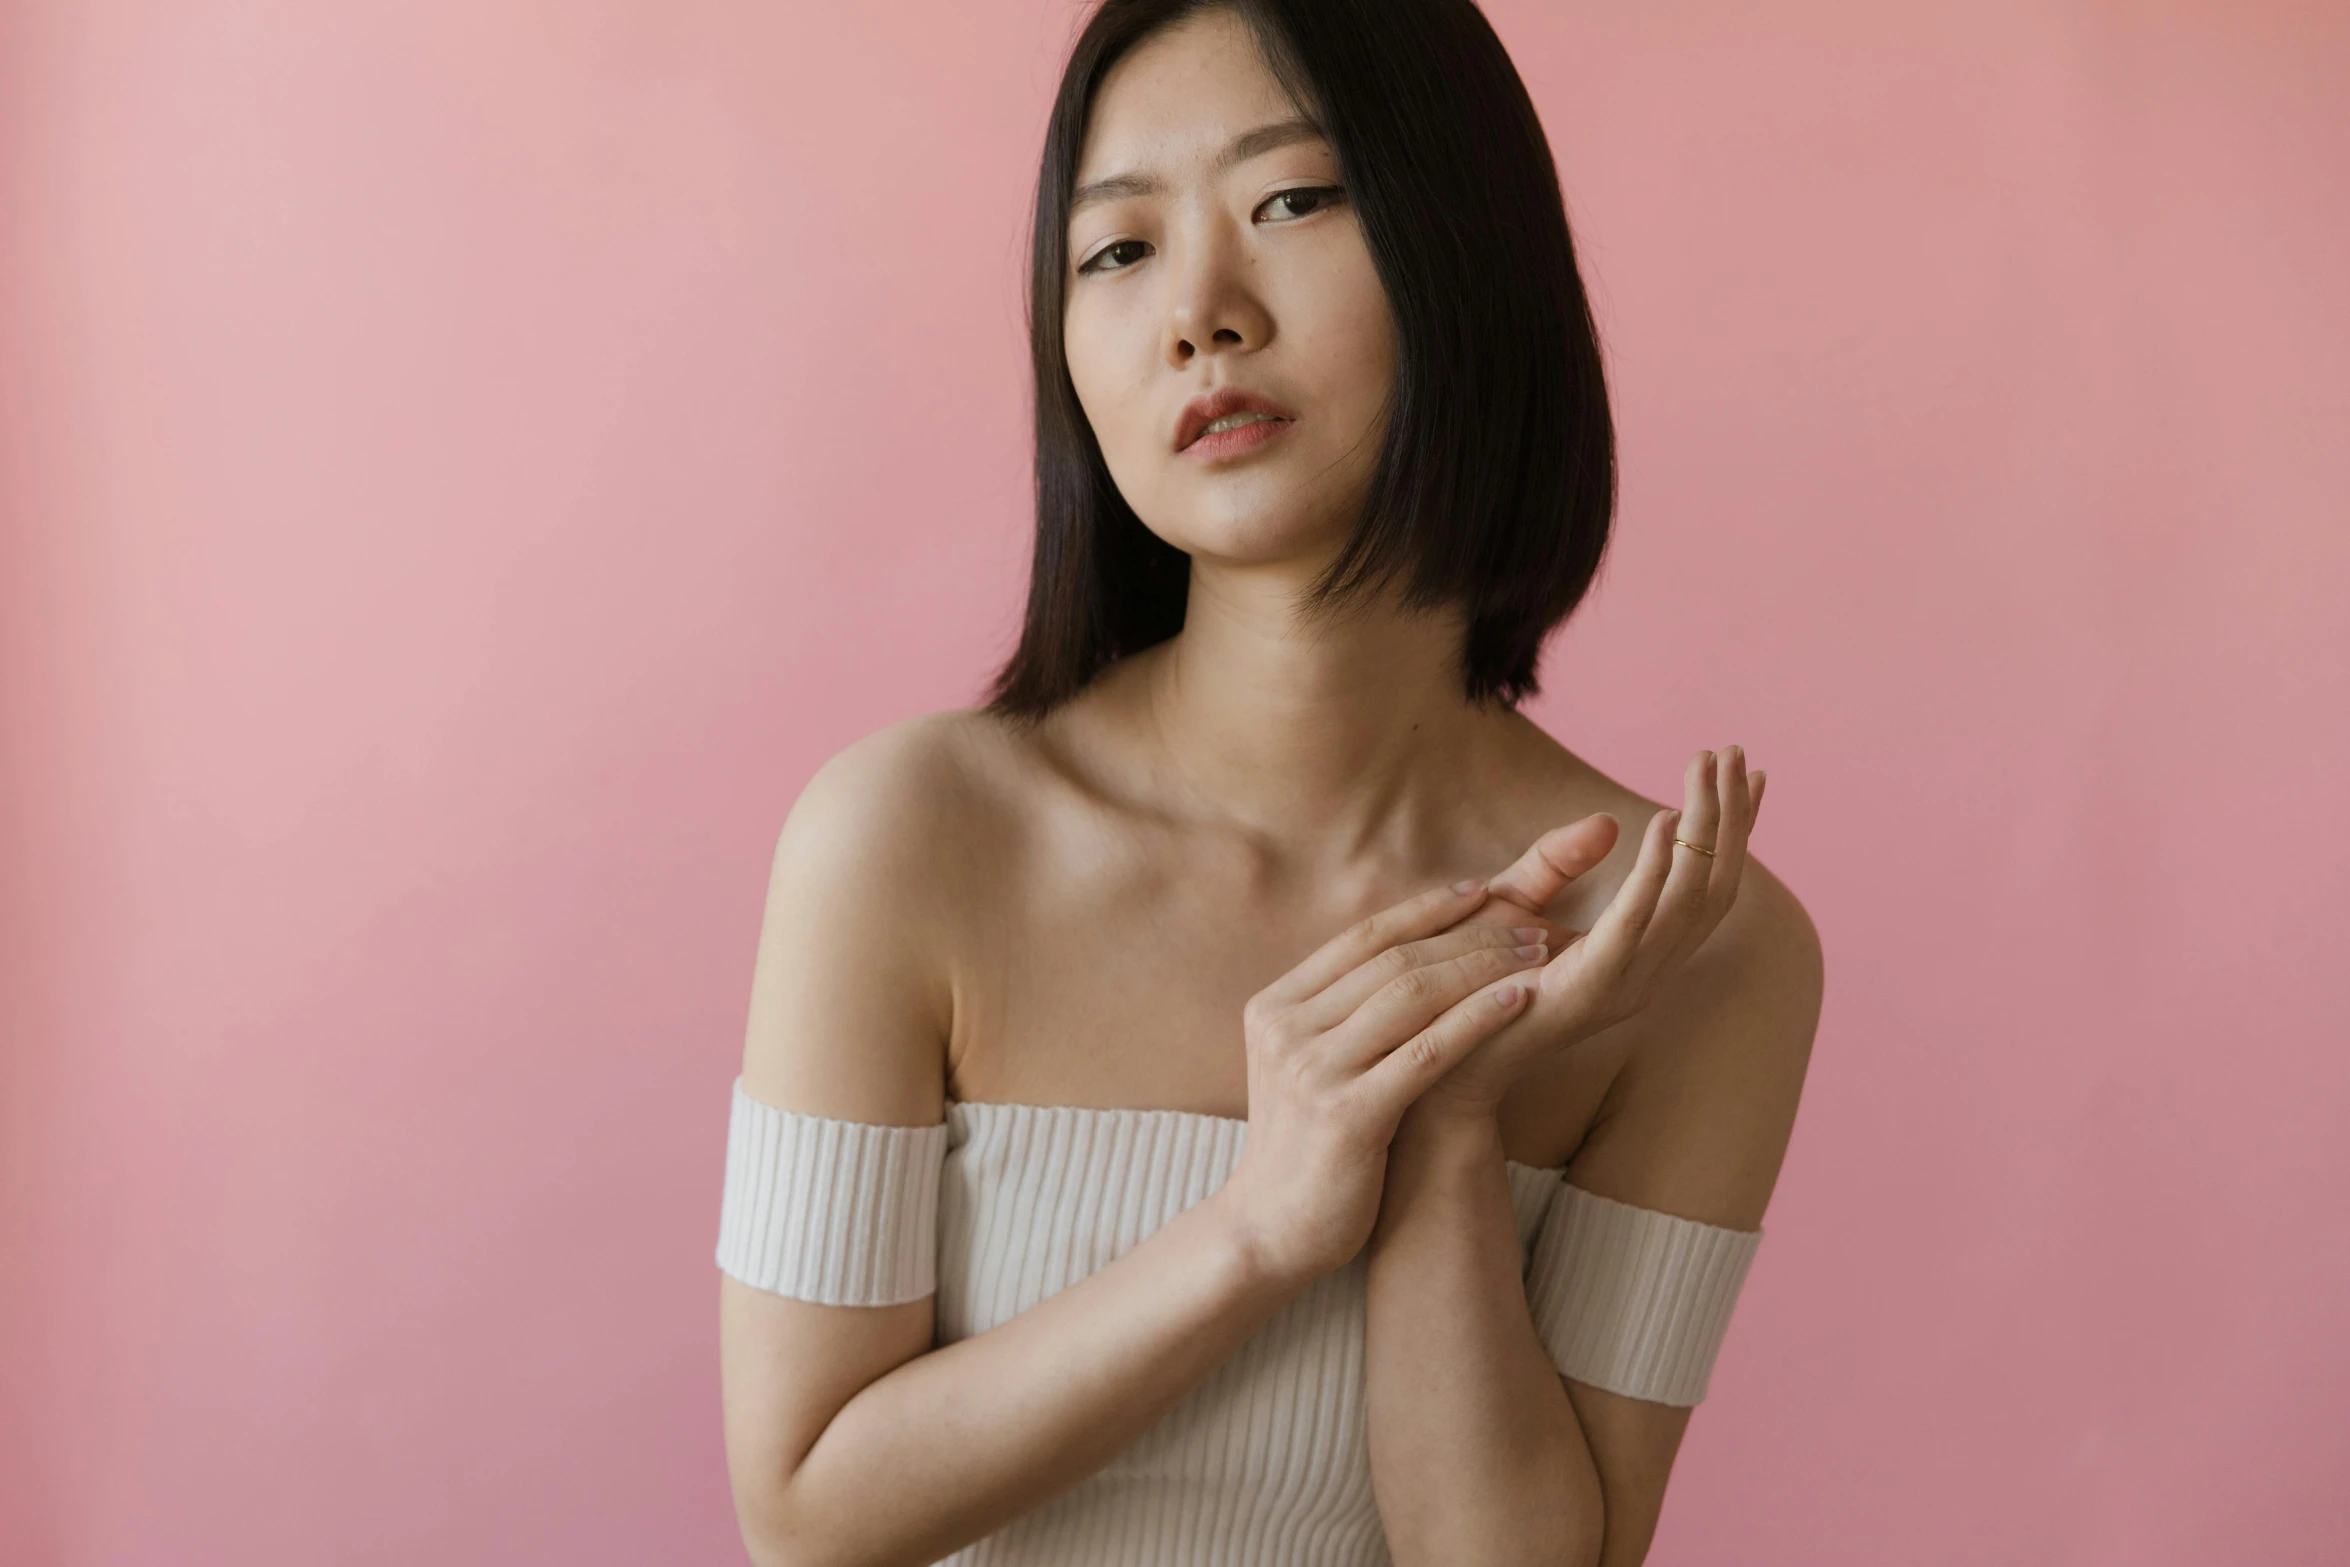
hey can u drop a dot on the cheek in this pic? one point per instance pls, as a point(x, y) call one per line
point(1354, 333)
point(1101, 368)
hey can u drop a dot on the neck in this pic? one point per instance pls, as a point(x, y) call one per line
point(1333, 738)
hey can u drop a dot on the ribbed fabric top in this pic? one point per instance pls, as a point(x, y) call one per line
point(1268, 1460)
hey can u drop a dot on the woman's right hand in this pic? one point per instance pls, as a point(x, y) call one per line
point(1341, 1045)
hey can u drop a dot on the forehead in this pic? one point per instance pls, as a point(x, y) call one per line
point(1181, 97)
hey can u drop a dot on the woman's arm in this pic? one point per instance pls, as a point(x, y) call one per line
point(1477, 1453)
point(1697, 1124)
point(952, 1444)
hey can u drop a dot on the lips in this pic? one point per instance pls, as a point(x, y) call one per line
point(1208, 407)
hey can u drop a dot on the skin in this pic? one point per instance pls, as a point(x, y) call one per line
point(1217, 881)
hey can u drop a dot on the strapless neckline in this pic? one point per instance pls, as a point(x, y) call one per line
point(1228, 1125)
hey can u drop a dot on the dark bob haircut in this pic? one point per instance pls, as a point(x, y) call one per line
point(1496, 480)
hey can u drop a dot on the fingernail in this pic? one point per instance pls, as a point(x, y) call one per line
point(1528, 932)
point(1506, 997)
point(1464, 888)
point(1531, 951)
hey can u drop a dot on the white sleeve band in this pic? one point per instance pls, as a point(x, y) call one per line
point(843, 1213)
point(1633, 1300)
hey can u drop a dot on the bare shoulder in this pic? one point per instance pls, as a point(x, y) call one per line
point(1698, 1119)
point(878, 864)
point(1763, 963)
point(894, 797)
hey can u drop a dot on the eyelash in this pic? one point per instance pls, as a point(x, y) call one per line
point(1093, 262)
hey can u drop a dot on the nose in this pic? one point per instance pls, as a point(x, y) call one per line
point(1213, 305)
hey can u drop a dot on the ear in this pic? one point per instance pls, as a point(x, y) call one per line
point(1555, 859)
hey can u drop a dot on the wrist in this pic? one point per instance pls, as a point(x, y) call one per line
point(1439, 1159)
point(1450, 1120)
point(1447, 1132)
point(1247, 1256)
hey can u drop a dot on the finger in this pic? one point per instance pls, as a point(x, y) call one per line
point(1734, 808)
point(1411, 1001)
point(1337, 1001)
point(1412, 1067)
point(1423, 914)
point(1614, 938)
point(1681, 909)
point(1741, 794)
point(1557, 858)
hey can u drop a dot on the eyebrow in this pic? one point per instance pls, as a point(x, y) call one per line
point(1247, 145)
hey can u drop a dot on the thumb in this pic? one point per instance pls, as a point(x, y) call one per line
point(1555, 859)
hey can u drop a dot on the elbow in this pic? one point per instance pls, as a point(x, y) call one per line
point(763, 1545)
point(769, 1537)
point(777, 1550)
point(773, 1536)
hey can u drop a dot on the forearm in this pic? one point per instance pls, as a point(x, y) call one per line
point(957, 1442)
point(1476, 1454)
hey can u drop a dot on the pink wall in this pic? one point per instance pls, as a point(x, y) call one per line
point(454, 460)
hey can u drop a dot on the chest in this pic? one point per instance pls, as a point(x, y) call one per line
point(1111, 972)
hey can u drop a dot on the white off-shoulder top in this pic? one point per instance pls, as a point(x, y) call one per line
point(1267, 1462)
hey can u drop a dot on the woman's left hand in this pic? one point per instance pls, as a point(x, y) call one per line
point(1667, 906)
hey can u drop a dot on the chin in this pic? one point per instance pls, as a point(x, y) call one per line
point(1253, 538)
point(1249, 523)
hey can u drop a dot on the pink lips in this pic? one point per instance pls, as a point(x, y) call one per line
point(1231, 443)
point(1208, 407)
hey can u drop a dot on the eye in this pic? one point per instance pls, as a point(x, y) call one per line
point(1313, 197)
point(1094, 262)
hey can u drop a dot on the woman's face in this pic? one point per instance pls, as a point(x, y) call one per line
point(1224, 255)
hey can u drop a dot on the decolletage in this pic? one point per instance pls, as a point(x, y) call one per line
point(1265, 1462)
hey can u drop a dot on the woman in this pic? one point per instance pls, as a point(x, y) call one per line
point(1150, 1135)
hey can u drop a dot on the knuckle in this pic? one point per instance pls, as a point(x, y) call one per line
point(1413, 985)
point(1270, 1026)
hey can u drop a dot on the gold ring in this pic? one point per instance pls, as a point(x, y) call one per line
point(1699, 847)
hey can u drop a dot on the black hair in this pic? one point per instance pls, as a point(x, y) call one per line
point(1496, 480)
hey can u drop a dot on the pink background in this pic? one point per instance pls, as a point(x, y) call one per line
point(465, 464)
